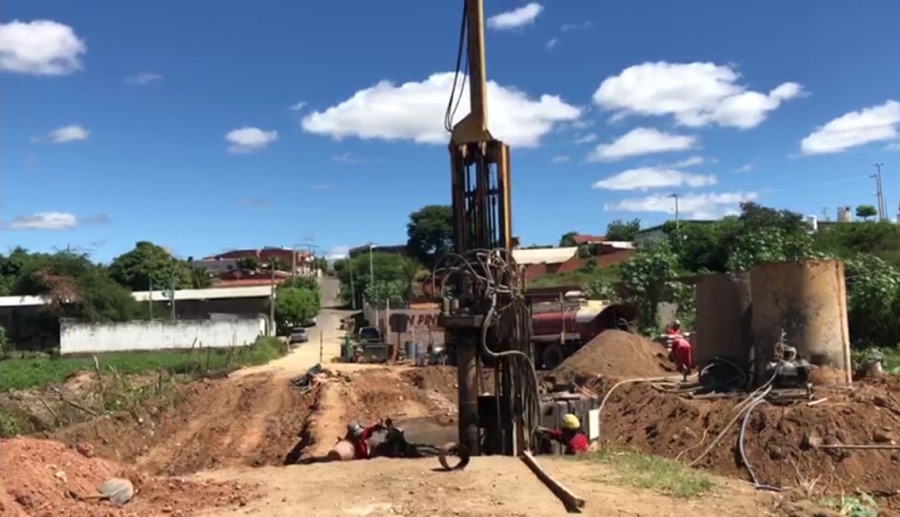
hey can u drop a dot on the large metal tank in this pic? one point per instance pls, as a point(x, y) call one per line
point(808, 300)
point(724, 318)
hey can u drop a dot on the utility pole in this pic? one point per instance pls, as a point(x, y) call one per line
point(151, 297)
point(272, 299)
point(294, 265)
point(882, 205)
point(172, 294)
point(352, 289)
point(372, 280)
point(825, 213)
point(675, 196)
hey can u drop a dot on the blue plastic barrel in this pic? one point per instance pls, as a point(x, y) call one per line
point(421, 353)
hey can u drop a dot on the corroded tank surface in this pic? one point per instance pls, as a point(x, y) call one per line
point(723, 325)
point(808, 300)
point(342, 451)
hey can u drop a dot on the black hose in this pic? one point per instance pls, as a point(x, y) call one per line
point(744, 460)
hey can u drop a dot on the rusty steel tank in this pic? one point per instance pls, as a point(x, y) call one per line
point(582, 322)
point(808, 301)
point(724, 318)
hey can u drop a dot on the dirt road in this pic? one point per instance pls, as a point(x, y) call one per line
point(489, 486)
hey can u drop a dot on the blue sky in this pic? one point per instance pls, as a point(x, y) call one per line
point(203, 126)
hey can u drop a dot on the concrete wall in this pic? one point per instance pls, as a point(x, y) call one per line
point(78, 337)
point(419, 325)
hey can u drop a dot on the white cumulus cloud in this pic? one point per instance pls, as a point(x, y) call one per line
point(691, 206)
point(640, 141)
point(695, 94)
point(872, 124)
point(338, 253)
point(646, 178)
point(560, 159)
point(249, 139)
point(298, 106)
point(586, 139)
point(40, 47)
point(516, 18)
point(54, 221)
point(143, 78)
point(64, 134)
point(415, 111)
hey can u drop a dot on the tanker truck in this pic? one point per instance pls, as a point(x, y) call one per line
point(559, 329)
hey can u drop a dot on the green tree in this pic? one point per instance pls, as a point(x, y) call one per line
point(382, 292)
point(866, 211)
point(649, 277)
point(387, 267)
point(873, 300)
point(148, 262)
point(302, 282)
point(430, 233)
point(75, 287)
point(567, 240)
point(295, 306)
point(879, 238)
point(248, 263)
point(625, 231)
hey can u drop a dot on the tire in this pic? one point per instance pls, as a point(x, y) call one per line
point(552, 355)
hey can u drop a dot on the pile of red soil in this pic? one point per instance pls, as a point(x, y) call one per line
point(777, 438)
point(38, 476)
point(615, 353)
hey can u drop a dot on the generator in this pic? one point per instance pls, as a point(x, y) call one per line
point(792, 373)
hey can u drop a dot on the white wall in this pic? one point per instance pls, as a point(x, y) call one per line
point(79, 337)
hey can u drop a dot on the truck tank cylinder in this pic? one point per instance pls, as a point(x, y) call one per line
point(808, 300)
point(342, 451)
point(724, 315)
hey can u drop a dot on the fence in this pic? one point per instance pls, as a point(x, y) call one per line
point(79, 337)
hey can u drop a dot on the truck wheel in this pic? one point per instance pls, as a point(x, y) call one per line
point(552, 355)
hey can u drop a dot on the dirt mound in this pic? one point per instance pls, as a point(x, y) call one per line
point(777, 438)
point(255, 420)
point(618, 354)
point(39, 474)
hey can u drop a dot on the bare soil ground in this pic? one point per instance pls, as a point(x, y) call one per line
point(242, 430)
point(490, 486)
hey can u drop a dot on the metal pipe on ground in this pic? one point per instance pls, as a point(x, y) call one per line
point(572, 502)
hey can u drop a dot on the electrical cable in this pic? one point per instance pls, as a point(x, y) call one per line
point(492, 282)
point(451, 109)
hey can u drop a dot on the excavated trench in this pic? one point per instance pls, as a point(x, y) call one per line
point(253, 421)
point(262, 420)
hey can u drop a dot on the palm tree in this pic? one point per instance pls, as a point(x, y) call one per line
point(411, 270)
point(201, 278)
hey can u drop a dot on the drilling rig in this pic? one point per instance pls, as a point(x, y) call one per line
point(485, 315)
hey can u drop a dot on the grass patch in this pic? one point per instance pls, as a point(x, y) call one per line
point(662, 475)
point(892, 360)
point(36, 371)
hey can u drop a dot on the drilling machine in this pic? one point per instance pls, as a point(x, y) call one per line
point(485, 315)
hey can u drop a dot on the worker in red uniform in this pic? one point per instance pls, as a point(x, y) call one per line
point(358, 436)
point(570, 435)
point(681, 352)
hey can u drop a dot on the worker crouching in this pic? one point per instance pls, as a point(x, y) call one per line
point(681, 352)
point(571, 435)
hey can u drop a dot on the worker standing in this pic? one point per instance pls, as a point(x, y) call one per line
point(359, 436)
point(571, 435)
